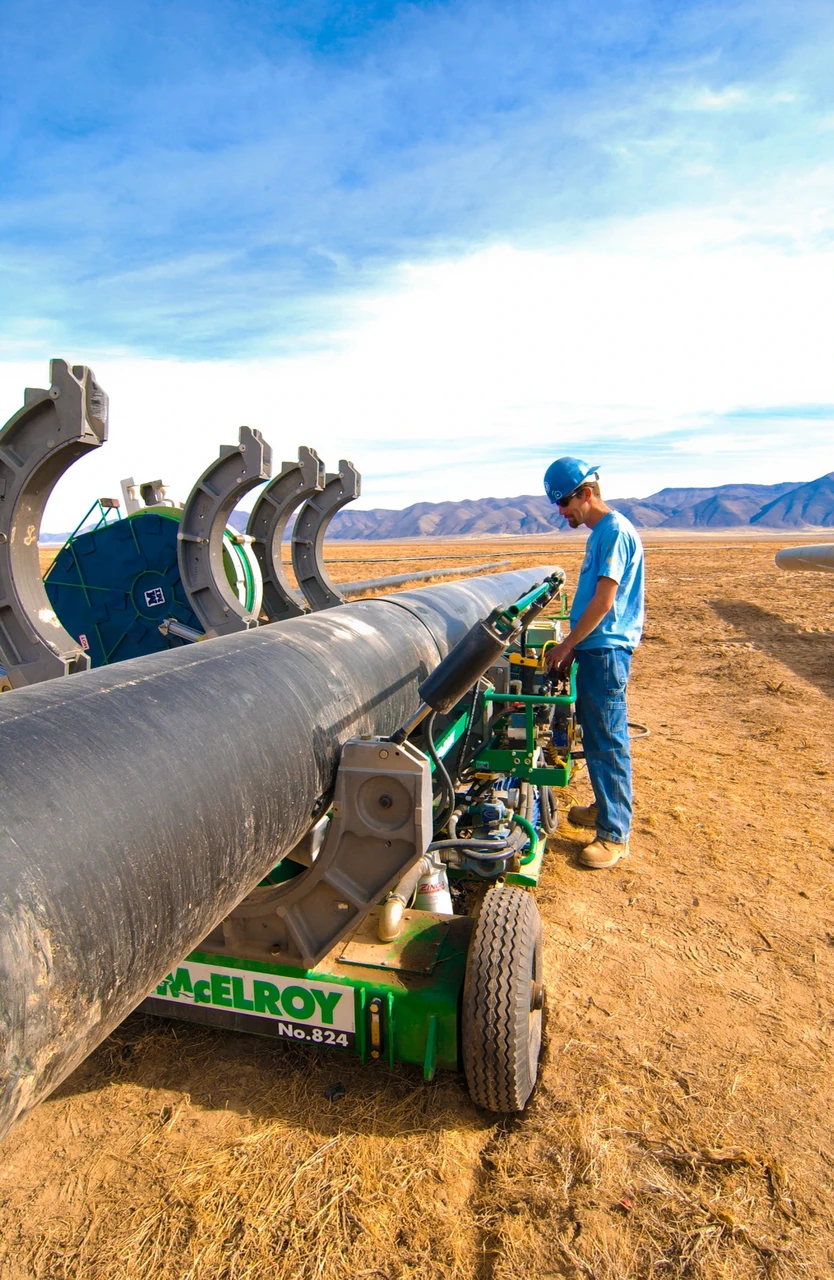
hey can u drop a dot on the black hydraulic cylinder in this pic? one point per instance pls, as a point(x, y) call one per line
point(471, 657)
point(140, 802)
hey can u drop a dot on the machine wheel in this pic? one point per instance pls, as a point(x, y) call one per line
point(501, 1023)
point(549, 810)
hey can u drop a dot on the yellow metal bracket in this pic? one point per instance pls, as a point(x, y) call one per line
point(516, 660)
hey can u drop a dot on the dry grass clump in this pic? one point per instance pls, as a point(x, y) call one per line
point(682, 1126)
point(209, 1187)
point(618, 1170)
point(46, 555)
point(274, 1202)
point(575, 1191)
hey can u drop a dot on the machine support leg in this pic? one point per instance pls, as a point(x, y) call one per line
point(381, 824)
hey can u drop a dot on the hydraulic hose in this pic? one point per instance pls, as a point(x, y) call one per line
point(547, 804)
point(527, 826)
point(481, 855)
point(467, 737)
point(474, 845)
point(443, 774)
point(488, 850)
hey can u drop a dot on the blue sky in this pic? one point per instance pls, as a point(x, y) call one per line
point(447, 239)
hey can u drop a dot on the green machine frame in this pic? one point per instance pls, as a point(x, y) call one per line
point(400, 1000)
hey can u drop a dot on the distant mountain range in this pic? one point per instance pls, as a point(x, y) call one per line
point(788, 505)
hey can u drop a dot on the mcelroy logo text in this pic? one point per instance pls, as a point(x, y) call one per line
point(288, 999)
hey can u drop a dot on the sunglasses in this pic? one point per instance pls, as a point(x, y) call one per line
point(568, 498)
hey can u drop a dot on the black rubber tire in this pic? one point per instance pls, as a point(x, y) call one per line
point(549, 811)
point(500, 1030)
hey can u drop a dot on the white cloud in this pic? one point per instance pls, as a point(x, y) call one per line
point(459, 381)
point(725, 99)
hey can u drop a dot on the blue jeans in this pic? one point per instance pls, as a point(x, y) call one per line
point(601, 681)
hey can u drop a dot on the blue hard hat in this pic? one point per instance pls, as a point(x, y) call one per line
point(564, 475)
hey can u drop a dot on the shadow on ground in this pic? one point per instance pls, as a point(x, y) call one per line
point(808, 654)
point(269, 1080)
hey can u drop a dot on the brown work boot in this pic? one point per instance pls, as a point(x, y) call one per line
point(583, 815)
point(600, 854)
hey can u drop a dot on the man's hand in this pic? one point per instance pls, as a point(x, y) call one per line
point(559, 658)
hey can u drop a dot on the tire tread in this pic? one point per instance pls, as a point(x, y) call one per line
point(496, 1000)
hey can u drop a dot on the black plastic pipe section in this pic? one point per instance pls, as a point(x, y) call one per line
point(140, 802)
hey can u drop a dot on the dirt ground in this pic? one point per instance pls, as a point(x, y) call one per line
point(681, 1127)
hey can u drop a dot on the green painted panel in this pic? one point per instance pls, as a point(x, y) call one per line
point(419, 1009)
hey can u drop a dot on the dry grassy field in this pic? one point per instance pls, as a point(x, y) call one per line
point(682, 1124)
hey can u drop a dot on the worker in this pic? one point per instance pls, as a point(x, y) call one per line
point(606, 623)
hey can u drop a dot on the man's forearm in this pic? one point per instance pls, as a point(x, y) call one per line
point(601, 603)
point(597, 607)
point(591, 618)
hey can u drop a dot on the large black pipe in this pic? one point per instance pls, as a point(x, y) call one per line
point(141, 802)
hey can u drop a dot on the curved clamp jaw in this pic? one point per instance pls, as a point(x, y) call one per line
point(314, 517)
point(295, 483)
point(37, 445)
point(214, 497)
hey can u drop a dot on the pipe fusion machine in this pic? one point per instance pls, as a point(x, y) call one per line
point(322, 824)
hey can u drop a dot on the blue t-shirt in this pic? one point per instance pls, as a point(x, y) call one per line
point(613, 550)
